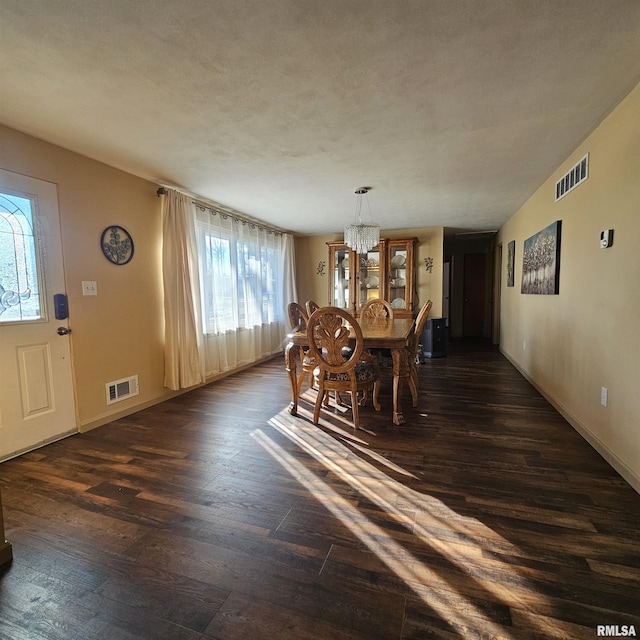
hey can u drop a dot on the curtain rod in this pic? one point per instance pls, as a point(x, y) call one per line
point(224, 214)
point(254, 224)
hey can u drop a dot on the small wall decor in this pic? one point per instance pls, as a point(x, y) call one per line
point(511, 263)
point(428, 264)
point(117, 244)
point(321, 266)
point(541, 261)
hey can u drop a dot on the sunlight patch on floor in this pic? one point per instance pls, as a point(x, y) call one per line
point(382, 491)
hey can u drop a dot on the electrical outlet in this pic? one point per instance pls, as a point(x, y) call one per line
point(89, 288)
point(604, 396)
point(524, 345)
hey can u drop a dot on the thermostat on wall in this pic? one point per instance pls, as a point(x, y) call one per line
point(606, 238)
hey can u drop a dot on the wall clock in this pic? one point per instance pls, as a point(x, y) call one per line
point(117, 244)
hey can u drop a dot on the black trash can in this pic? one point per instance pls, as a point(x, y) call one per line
point(434, 338)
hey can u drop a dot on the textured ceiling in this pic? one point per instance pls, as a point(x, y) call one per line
point(454, 111)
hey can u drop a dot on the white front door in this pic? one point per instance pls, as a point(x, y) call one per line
point(36, 388)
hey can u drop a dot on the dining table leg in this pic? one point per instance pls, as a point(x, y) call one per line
point(291, 356)
point(401, 372)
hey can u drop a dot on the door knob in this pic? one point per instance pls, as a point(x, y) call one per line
point(63, 331)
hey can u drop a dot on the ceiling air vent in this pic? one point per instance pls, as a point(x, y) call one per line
point(121, 389)
point(578, 174)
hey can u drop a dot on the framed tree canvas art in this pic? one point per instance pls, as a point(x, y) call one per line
point(541, 261)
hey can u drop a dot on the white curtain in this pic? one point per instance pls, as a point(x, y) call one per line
point(183, 336)
point(247, 281)
point(227, 284)
point(289, 273)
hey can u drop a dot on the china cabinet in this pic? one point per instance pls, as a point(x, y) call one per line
point(387, 271)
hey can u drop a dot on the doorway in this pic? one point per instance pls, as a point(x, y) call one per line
point(471, 258)
point(497, 295)
point(475, 295)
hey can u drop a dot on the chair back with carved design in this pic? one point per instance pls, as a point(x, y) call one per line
point(311, 306)
point(376, 309)
point(336, 345)
point(297, 316)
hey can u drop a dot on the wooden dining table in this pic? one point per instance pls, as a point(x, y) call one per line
point(391, 334)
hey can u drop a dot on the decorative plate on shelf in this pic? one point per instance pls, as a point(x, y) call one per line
point(345, 263)
point(371, 282)
point(117, 244)
point(397, 303)
point(398, 261)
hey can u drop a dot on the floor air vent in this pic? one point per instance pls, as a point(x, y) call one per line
point(578, 174)
point(121, 389)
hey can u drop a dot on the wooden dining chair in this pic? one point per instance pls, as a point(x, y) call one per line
point(414, 343)
point(311, 306)
point(297, 316)
point(376, 309)
point(328, 331)
point(298, 320)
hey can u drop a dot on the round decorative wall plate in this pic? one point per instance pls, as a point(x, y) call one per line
point(117, 244)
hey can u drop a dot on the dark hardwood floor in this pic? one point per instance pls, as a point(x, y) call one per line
point(219, 515)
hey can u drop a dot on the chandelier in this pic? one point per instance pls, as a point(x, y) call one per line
point(359, 236)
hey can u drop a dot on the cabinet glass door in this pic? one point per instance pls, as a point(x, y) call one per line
point(369, 277)
point(398, 277)
point(340, 291)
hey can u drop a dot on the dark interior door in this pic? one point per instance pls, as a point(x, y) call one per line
point(475, 295)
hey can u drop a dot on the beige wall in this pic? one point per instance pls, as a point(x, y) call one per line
point(587, 337)
point(311, 250)
point(119, 332)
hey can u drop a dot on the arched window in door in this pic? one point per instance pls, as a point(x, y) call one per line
point(20, 298)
